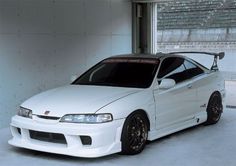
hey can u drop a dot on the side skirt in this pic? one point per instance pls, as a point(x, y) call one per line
point(198, 119)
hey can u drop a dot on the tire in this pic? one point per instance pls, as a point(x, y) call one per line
point(134, 134)
point(214, 109)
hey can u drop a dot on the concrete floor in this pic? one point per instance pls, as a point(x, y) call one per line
point(201, 145)
point(230, 87)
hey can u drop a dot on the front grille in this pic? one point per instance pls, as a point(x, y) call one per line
point(48, 117)
point(47, 137)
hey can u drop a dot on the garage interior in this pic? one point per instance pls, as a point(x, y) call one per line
point(45, 42)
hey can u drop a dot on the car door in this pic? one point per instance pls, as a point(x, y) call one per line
point(175, 105)
point(204, 83)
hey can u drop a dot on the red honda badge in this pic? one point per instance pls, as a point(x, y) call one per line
point(46, 112)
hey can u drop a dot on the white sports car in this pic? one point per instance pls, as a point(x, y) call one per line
point(119, 104)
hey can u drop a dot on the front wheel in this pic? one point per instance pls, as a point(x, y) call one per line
point(134, 134)
point(214, 109)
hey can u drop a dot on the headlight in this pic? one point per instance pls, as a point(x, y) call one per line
point(87, 118)
point(24, 112)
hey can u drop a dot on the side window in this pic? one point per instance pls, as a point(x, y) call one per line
point(173, 68)
point(192, 70)
point(178, 69)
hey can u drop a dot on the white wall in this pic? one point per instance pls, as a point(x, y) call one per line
point(44, 42)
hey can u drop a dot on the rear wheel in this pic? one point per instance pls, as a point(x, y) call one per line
point(134, 134)
point(214, 109)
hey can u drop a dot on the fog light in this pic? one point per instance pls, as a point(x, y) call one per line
point(86, 140)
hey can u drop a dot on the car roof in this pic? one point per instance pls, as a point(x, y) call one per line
point(148, 56)
point(159, 55)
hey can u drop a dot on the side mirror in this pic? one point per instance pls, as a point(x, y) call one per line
point(167, 83)
point(73, 78)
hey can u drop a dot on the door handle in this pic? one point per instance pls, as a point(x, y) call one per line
point(189, 86)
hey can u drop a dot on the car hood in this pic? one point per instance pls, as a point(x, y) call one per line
point(75, 99)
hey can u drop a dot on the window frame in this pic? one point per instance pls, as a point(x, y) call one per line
point(144, 29)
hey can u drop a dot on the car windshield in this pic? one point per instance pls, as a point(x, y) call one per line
point(121, 72)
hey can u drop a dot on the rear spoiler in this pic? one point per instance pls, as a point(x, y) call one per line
point(219, 55)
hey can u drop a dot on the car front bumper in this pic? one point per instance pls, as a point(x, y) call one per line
point(105, 137)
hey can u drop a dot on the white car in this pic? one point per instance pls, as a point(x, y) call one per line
point(119, 104)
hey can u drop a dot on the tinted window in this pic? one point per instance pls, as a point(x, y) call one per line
point(192, 69)
point(120, 72)
point(173, 68)
point(178, 69)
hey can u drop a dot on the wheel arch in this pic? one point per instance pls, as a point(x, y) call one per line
point(215, 92)
point(145, 115)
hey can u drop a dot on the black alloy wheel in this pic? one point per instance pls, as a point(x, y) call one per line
point(214, 109)
point(135, 133)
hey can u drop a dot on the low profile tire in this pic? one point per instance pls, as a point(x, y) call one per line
point(134, 134)
point(214, 109)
